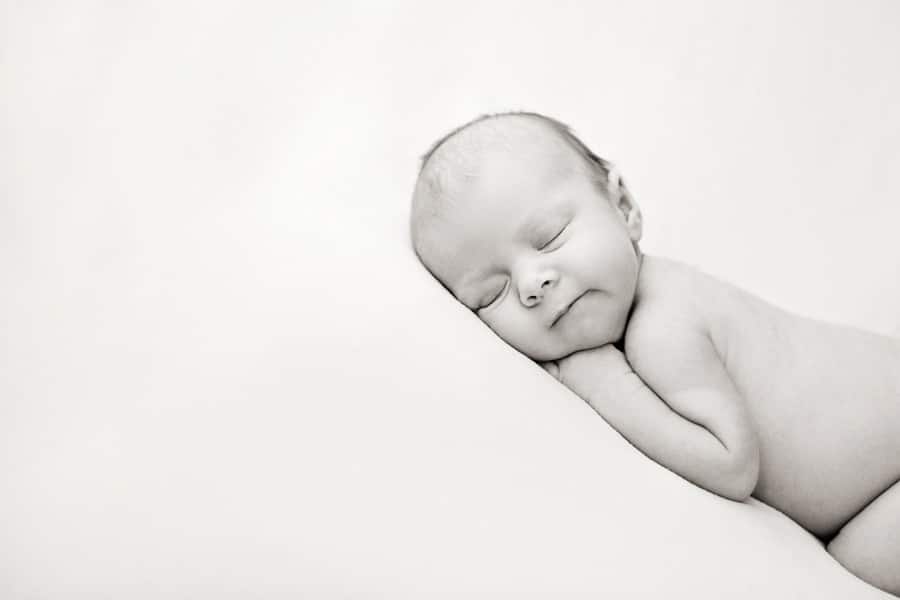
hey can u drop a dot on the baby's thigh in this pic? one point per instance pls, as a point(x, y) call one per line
point(869, 544)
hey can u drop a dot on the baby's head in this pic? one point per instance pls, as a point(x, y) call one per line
point(530, 230)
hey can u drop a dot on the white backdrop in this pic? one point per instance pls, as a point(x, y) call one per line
point(223, 372)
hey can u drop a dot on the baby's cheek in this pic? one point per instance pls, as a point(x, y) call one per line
point(525, 338)
point(549, 346)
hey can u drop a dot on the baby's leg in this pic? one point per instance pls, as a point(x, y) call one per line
point(869, 544)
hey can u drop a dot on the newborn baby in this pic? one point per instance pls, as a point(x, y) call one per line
point(539, 237)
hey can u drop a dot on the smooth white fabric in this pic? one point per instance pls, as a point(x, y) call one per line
point(224, 375)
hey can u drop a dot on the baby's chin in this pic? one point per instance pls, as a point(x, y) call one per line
point(548, 352)
point(555, 349)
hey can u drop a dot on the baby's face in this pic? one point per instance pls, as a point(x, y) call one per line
point(543, 257)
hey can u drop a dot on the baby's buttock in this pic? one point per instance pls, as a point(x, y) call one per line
point(826, 403)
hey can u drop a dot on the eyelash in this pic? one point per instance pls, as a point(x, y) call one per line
point(554, 238)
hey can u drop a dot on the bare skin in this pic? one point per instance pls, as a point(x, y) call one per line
point(823, 400)
point(728, 391)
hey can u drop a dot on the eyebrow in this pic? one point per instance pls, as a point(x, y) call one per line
point(532, 225)
point(536, 221)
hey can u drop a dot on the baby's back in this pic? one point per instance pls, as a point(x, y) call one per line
point(825, 398)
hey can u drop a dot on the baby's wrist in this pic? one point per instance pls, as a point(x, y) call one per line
point(596, 373)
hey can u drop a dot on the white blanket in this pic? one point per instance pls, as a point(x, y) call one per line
point(224, 375)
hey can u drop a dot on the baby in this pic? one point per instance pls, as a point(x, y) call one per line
point(523, 224)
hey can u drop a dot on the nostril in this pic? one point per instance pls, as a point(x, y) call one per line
point(545, 284)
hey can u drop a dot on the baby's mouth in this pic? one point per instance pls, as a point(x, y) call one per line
point(563, 310)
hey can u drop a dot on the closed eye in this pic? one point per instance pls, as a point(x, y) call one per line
point(547, 244)
point(494, 299)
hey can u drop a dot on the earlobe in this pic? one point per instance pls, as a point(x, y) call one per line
point(622, 200)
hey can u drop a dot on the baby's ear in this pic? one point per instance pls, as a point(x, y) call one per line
point(623, 201)
point(634, 221)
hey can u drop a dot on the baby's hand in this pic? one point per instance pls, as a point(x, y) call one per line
point(589, 372)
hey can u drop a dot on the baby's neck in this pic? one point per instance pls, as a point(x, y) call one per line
point(620, 343)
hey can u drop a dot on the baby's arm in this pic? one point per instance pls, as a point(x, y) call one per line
point(697, 426)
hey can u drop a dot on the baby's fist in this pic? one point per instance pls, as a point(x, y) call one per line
point(589, 371)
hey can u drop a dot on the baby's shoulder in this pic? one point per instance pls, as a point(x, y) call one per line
point(669, 289)
point(671, 305)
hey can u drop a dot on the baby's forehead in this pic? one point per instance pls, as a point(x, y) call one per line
point(528, 154)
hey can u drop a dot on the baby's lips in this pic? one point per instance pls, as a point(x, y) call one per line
point(563, 309)
point(558, 313)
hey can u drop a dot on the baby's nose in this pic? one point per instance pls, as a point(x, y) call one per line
point(533, 294)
